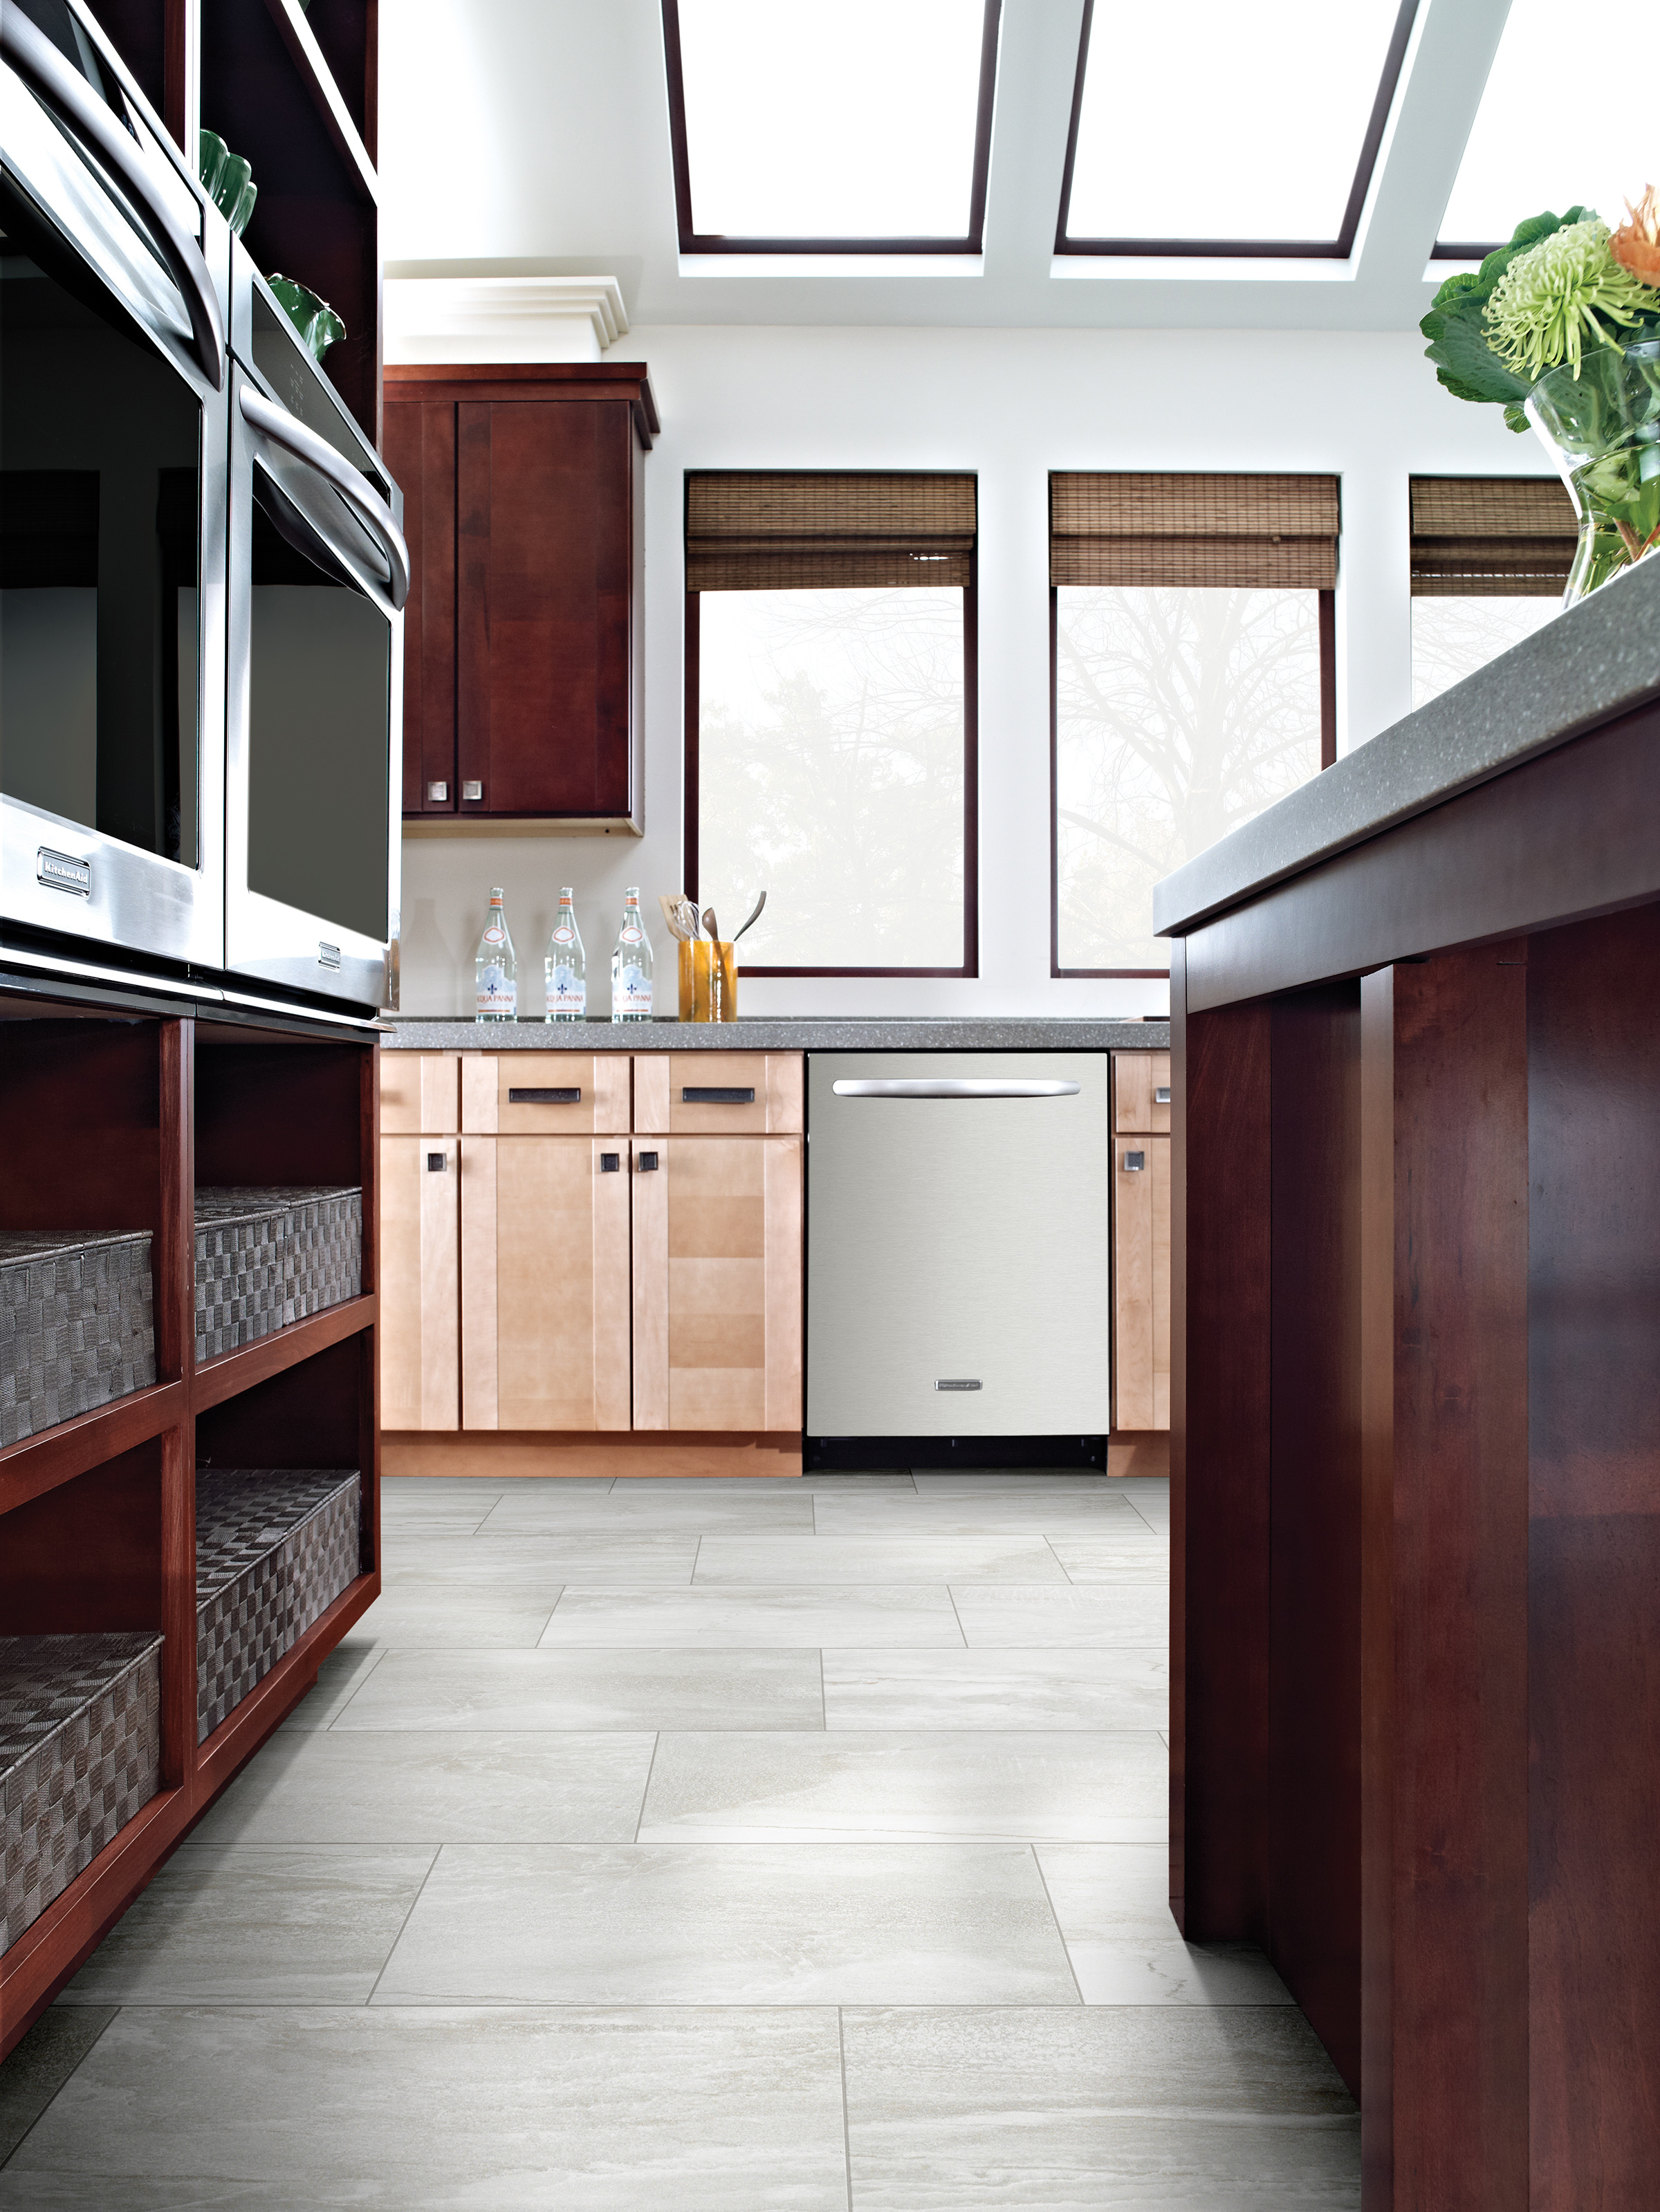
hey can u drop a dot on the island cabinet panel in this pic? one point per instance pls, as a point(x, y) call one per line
point(421, 1288)
point(1141, 1261)
point(523, 648)
point(717, 1283)
point(545, 1282)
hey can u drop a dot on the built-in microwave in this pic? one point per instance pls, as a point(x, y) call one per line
point(317, 577)
point(114, 389)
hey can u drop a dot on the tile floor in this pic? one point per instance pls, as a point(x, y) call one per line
point(712, 1846)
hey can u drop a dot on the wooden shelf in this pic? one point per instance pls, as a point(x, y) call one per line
point(233, 1372)
point(39, 1464)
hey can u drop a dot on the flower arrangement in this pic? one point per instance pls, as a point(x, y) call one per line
point(1561, 329)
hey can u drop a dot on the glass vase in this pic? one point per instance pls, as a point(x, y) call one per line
point(1602, 429)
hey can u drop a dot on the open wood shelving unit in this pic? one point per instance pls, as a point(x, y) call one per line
point(109, 1117)
point(296, 96)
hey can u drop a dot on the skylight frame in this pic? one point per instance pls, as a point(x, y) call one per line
point(1252, 249)
point(711, 242)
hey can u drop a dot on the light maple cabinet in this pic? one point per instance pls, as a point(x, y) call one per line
point(419, 1241)
point(1142, 1241)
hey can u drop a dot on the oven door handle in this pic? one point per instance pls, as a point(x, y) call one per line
point(67, 93)
point(293, 436)
point(945, 1086)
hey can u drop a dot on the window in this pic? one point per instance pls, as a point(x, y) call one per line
point(1536, 144)
point(1192, 685)
point(1216, 129)
point(1490, 557)
point(861, 128)
point(830, 718)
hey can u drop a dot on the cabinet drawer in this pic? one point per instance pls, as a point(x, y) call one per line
point(718, 1094)
point(420, 1093)
point(552, 1094)
point(1141, 1093)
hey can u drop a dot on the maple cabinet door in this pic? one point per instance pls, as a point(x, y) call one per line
point(545, 1282)
point(717, 1283)
point(1141, 1282)
point(419, 1287)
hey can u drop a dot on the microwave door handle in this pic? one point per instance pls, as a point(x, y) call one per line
point(69, 96)
point(288, 431)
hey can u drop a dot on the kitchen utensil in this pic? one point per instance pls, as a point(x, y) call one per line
point(680, 914)
point(755, 917)
point(708, 924)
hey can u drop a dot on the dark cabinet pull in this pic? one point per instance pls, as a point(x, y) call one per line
point(611, 1164)
point(544, 1098)
point(1134, 1162)
point(648, 1162)
point(436, 1164)
point(716, 1096)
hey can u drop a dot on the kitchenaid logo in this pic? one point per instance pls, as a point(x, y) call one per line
point(957, 1382)
point(62, 872)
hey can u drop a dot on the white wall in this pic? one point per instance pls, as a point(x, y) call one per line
point(1010, 405)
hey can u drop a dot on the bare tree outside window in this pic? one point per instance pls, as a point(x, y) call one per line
point(831, 743)
point(1454, 637)
point(1179, 713)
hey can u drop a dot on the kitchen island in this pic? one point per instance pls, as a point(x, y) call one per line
point(1415, 1665)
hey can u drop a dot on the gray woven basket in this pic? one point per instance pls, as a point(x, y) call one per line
point(275, 1546)
point(264, 1258)
point(80, 1754)
point(76, 1325)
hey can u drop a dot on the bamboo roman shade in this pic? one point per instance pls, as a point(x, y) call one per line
point(1237, 532)
point(782, 532)
point(1489, 537)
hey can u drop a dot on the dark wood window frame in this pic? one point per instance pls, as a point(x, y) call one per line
point(1328, 622)
point(970, 965)
point(693, 241)
point(1252, 249)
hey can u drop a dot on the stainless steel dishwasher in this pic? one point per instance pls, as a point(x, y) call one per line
point(959, 1290)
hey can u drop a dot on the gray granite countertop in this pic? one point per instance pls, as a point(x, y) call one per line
point(783, 1033)
point(1599, 659)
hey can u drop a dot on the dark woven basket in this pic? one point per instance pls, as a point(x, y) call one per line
point(80, 1754)
point(264, 1258)
point(275, 1546)
point(76, 1325)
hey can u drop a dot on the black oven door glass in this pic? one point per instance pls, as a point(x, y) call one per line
point(100, 568)
point(320, 662)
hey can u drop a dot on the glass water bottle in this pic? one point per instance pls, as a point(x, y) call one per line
point(630, 964)
point(566, 965)
point(496, 970)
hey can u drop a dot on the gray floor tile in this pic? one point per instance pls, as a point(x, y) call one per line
point(693, 1508)
point(258, 1925)
point(579, 1689)
point(483, 1786)
point(423, 1616)
point(904, 1513)
point(1043, 1689)
point(1156, 2109)
point(717, 1619)
point(1134, 1552)
point(887, 1784)
point(505, 1563)
point(1110, 1893)
point(784, 1486)
point(1123, 1617)
point(35, 2069)
point(699, 2110)
point(788, 1557)
point(339, 1678)
point(1113, 1904)
point(742, 1925)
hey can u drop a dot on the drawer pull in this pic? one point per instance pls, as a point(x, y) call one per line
point(571, 1097)
point(1161, 1095)
point(1134, 1162)
point(611, 1164)
point(716, 1095)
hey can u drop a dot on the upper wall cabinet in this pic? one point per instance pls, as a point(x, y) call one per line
point(524, 632)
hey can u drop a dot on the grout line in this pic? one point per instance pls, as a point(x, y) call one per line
point(957, 1616)
point(1048, 1543)
point(651, 1768)
point(1060, 1931)
point(691, 1579)
point(63, 2085)
point(823, 1711)
point(846, 2131)
point(399, 1937)
point(379, 1650)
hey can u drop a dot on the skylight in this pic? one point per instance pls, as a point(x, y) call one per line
point(1541, 142)
point(861, 126)
point(1216, 128)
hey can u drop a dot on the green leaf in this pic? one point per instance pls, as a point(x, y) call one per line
point(1465, 363)
point(1516, 420)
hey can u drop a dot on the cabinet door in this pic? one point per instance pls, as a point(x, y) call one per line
point(544, 589)
point(420, 1290)
point(418, 1094)
point(545, 1282)
point(419, 443)
point(717, 1283)
point(1141, 1093)
point(1141, 1243)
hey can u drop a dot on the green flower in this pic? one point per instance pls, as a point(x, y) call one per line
point(1552, 296)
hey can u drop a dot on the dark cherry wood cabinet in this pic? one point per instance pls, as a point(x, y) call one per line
point(523, 488)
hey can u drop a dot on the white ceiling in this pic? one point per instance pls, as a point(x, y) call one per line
point(530, 137)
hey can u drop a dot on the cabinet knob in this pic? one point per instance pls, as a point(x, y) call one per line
point(436, 1164)
point(1134, 1162)
point(610, 1162)
point(1161, 1095)
point(648, 1162)
point(472, 790)
point(438, 791)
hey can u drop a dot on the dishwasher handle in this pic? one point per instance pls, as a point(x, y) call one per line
point(954, 1086)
